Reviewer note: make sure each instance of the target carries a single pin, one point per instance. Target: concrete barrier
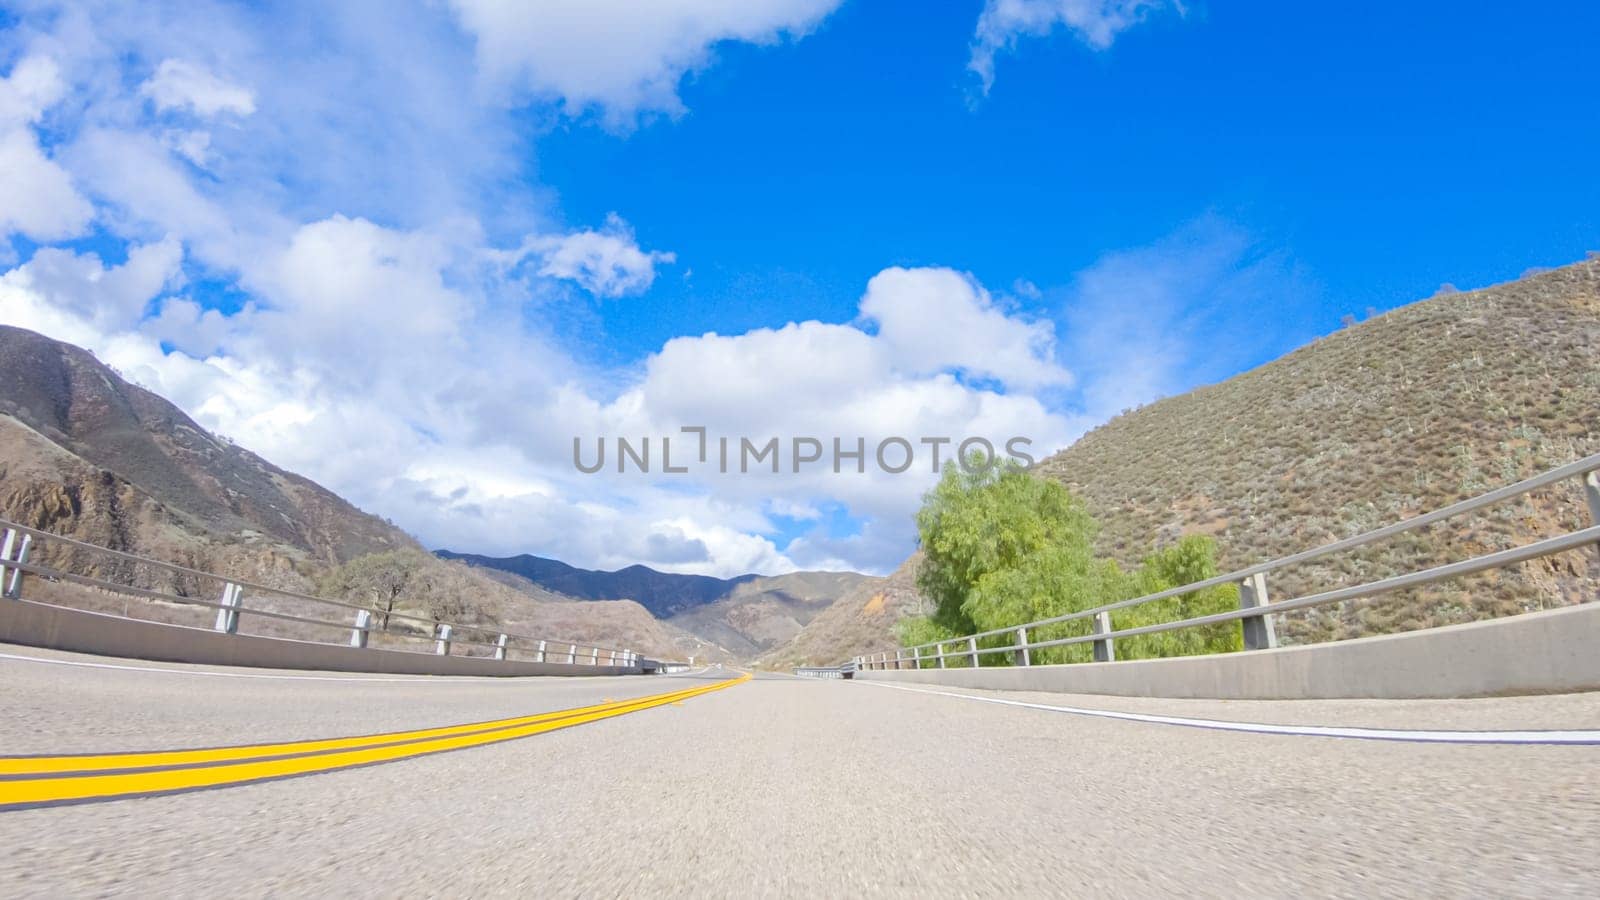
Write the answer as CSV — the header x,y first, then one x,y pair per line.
x,y
1556,651
59,628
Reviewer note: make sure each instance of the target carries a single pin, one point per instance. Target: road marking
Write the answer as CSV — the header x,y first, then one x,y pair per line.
x,y
1573,737
12,767
46,783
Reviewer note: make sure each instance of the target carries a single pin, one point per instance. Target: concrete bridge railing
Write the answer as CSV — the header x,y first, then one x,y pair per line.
x,y
343,636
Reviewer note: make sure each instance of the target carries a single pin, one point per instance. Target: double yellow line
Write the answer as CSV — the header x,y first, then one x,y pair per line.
x,y
27,781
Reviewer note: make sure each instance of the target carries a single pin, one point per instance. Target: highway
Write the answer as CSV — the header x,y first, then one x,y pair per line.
x,y
711,784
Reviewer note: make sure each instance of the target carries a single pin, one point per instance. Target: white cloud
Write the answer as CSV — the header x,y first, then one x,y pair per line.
x,y
606,263
33,86
37,196
144,193
938,319
112,298
619,56
1094,22
180,84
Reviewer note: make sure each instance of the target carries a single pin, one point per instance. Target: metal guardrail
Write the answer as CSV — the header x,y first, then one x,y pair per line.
x,y
20,541
1254,606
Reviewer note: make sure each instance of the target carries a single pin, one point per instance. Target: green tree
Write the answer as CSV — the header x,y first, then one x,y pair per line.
x,y
1002,548
405,581
1192,559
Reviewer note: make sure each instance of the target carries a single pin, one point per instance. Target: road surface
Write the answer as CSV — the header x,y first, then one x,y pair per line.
x,y
773,786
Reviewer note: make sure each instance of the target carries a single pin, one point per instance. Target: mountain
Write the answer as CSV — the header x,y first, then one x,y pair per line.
x,y
87,454
663,593
1400,414
766,611
743,616
860,622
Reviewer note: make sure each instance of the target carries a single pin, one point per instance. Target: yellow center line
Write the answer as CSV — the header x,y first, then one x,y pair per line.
x,y
151,759
80,787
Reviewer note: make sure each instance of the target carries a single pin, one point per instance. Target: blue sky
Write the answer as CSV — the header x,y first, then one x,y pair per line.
x,y
413,256
1389,148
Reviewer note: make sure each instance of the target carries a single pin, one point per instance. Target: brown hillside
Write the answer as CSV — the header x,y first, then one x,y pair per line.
x,y
858,623
65,395
762,613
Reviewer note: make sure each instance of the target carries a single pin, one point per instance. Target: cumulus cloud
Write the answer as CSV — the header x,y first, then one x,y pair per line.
x,y
937,319
618,56
80,284
180,84
606,263
37,196
1094,22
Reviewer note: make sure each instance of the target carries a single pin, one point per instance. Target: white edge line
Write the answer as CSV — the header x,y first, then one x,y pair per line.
x,y
1368,734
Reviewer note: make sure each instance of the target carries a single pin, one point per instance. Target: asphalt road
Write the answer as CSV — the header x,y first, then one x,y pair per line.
x,y
785,787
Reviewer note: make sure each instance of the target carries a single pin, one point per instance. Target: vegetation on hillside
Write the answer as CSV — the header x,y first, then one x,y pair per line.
x,y
409,582
1002,548
1394,416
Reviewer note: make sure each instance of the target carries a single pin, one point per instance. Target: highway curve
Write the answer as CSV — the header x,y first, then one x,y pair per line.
x,y
712,785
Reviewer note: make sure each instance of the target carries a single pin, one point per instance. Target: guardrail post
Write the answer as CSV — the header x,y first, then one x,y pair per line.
x,y
13,587
1259,633
572,654
1104,649
5,552
358,634
972,650
1591,492
228,615
941,656
540,656
442,648
1023,658
500,648
594,656
916,657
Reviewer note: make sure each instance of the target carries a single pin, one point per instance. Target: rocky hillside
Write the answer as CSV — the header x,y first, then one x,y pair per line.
x,y
67,397
764,612
735,618
86,454
858,623
1397,415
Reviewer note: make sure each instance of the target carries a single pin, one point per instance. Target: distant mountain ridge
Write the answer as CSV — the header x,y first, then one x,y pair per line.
x,y
745,615
665,594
